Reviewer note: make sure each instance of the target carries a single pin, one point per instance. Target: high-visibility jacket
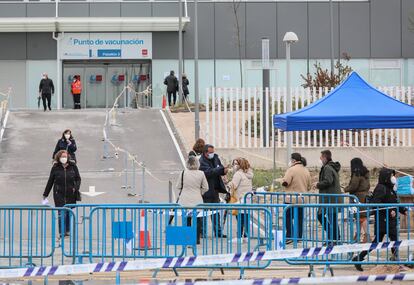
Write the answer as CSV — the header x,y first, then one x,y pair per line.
x,y
76,87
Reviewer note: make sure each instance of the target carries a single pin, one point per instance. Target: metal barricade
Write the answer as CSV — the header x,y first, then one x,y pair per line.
x,y
298,198
83,221
154,231
30,236
330,224
276,202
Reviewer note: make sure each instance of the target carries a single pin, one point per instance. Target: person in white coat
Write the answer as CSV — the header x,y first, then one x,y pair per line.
x,y
191,186
241,183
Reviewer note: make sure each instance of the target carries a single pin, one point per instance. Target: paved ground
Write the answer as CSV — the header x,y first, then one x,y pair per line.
x,y
26,152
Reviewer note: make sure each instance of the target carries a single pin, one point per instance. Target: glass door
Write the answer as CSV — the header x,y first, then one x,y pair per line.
x,y
95,77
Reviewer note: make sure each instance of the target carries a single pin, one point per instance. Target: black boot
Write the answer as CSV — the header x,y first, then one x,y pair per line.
x,y
357,266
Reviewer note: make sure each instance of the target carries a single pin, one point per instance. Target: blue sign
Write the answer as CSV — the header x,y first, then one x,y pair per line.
x,y
122,230
109,53
176,235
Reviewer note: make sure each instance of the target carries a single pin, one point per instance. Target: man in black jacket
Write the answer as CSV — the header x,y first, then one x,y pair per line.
x,y
329,184
211,165
46,89
172,87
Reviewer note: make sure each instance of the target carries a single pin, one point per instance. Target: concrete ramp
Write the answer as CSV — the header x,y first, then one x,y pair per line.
x,y
30,138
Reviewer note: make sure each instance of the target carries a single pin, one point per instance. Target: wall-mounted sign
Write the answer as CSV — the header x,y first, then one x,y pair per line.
x,y
106,46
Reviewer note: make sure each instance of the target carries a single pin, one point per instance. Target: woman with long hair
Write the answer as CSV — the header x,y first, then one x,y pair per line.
x,y
359,186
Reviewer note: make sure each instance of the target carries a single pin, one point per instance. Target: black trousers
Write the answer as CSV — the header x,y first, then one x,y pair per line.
x,y
64,220
329,219
174,95
48,98
76,101
199,227
392,235
294,222
215,218
243,230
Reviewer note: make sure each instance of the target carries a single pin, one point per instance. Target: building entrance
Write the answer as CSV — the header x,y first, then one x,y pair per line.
x,y
103,81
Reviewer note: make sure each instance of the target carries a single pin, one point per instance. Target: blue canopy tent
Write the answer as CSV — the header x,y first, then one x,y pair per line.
x,y
352,105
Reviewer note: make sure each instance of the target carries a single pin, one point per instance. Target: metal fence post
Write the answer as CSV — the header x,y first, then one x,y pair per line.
x,y
133,192
125,186
170,196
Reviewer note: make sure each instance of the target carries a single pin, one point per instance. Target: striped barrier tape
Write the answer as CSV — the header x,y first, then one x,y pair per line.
x,y
310,280
199,261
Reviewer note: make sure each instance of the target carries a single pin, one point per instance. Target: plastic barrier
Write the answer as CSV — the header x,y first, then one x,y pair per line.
x,y
343,224
30,236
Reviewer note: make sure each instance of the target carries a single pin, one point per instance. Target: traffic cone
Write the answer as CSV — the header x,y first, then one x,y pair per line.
x,y
164,102
144,236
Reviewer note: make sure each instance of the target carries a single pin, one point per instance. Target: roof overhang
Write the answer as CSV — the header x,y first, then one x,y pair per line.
x,y
92,24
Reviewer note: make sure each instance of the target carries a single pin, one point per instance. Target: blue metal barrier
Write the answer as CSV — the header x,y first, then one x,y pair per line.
x,y
82,214
29,236
144,231
298,198
330,224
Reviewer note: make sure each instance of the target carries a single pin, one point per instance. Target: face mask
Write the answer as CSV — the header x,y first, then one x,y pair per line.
x,y
211,155
321,162
393,180
67,136
290,164
63,160
44,77
235,168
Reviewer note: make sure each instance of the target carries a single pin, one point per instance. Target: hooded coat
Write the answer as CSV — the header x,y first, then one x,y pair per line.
x,y
329,181
65,182
384,194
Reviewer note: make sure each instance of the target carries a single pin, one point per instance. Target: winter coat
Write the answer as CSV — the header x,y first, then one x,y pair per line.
x,y
384,194
192,186
213,170
329,182
62,144
298,180
185,84
241,183
46,86
65,183
359,186
172,83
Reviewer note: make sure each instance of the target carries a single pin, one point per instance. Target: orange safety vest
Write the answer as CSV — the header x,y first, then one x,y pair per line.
x,y
76,87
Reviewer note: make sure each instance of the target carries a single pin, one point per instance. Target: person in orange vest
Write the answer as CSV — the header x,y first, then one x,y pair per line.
x,y
76,90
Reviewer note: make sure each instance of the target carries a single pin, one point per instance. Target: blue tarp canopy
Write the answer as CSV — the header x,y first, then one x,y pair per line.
x,y
352,105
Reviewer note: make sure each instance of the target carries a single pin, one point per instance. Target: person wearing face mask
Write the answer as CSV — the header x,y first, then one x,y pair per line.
x,y
46,89
329,184
386,220
241,183
65,180
211,165
297,179
66,142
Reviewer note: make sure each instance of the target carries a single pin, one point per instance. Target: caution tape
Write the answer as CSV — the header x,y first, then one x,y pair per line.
x,y
197,261
310,280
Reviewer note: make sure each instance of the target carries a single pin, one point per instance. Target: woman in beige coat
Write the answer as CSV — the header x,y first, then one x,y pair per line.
x,y
191,186
241,184
297,180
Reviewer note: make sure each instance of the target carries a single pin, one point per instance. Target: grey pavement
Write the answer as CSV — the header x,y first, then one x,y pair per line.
x,y
30,138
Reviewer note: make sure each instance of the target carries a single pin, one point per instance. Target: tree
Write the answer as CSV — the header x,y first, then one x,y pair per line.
x,y
235,8
323,77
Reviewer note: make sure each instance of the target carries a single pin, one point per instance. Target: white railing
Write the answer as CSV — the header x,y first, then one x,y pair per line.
x,y
235,120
